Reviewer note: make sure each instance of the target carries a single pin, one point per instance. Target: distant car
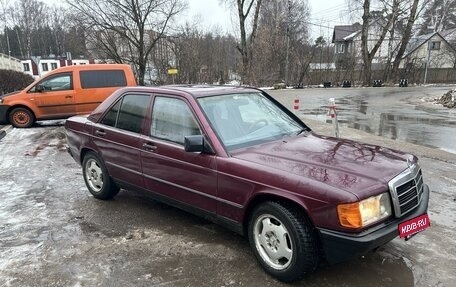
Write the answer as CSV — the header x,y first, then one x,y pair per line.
x,y
236,156
64,92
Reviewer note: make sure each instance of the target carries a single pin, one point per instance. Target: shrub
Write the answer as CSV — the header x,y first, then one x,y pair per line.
x,y
11,81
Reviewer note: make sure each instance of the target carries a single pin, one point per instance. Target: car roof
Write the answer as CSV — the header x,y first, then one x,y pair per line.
x,y
210,90
195,91
89,67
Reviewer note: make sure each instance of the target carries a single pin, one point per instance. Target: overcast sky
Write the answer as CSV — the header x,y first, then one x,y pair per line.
x,y
215,13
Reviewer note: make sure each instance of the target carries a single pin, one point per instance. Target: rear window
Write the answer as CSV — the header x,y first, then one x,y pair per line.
x,y
102,79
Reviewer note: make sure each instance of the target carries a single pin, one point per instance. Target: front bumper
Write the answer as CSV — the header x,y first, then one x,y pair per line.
x,y
341,246
4,114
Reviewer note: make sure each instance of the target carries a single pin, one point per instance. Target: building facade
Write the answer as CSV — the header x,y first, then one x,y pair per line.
x,y
10,63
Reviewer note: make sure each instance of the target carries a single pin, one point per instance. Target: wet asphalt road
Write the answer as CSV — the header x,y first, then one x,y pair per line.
x,y
53,233
391,112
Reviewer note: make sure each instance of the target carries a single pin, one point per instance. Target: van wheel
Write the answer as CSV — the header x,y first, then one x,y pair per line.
x,y
21,118
97,179
283,240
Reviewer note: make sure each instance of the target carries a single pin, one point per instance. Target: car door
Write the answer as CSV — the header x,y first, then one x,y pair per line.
x,y
54,96
118,138
169,170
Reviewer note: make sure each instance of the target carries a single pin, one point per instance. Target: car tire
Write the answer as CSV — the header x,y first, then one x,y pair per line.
x,y
21,118
283,240
97,179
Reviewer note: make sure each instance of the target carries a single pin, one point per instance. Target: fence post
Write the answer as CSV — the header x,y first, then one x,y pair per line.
x,y
333,115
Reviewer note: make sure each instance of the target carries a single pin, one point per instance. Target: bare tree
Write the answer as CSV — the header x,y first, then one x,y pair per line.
x,y
439,15
246,45
58,23
203,57
405,37
136,25
368,54
5,7
28,16
282,34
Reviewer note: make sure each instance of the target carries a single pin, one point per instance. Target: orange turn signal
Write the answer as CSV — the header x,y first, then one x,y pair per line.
x,y
349,215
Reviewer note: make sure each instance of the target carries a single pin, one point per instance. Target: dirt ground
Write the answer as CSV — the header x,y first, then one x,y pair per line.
x,y
54,233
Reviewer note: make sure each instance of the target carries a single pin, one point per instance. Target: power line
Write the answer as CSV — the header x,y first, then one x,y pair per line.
x,y
334,8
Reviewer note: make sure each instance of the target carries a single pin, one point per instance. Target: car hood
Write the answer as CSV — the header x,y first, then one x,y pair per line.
x,y
9,94
358,168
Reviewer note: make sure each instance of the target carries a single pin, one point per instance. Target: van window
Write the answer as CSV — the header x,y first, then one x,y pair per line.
x,y
58,82
102,79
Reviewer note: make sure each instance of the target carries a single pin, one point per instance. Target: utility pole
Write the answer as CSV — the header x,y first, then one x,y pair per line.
x,y
427,62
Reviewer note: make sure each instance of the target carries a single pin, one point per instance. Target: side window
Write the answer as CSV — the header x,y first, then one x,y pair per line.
x,y
341,48
102,79
172,120
128,113
58,82
110,118
434,45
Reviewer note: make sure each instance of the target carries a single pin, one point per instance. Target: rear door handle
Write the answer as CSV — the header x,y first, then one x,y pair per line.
x,y
100,133
149,146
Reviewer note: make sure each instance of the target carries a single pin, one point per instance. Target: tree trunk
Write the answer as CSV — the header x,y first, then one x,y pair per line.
x,y
246,48
405,40
369,56
364,42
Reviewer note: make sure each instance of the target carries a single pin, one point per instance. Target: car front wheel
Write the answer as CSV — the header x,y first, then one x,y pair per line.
x,y
283,241
21,118
97,179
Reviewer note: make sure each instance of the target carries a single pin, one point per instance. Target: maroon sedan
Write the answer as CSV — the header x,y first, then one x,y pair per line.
x,y
236,156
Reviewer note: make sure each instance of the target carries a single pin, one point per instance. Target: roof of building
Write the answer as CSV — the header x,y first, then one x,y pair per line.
x,y
345,32
449,36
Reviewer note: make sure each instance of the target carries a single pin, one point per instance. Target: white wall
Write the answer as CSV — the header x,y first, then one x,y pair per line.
x,y
10,63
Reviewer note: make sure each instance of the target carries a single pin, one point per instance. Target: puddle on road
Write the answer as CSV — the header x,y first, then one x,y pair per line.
x,y
407,122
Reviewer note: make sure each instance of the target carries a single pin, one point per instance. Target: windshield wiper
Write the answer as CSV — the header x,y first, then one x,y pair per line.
x,y
301,131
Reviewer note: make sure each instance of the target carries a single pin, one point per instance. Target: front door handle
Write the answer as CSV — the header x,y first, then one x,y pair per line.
x,y
68,97
149,146
100,133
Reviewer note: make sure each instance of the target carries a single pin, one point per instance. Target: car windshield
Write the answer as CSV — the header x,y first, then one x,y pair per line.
x,y
246,119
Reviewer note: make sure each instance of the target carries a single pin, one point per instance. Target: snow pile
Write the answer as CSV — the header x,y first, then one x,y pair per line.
x,y
448,99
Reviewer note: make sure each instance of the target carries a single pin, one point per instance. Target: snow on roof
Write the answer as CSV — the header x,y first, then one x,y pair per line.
x,y
352,35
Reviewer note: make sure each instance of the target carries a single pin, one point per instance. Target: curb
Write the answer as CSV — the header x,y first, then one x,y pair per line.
x,y
5,130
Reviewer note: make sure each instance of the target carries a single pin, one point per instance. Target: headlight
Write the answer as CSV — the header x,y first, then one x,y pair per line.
x,y
365,212
1,101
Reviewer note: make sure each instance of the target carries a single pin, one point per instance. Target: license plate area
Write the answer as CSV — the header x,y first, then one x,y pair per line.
x,y
411,227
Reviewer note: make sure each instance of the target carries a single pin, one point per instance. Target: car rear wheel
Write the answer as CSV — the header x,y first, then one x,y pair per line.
x,y
283,240
21,118
97,179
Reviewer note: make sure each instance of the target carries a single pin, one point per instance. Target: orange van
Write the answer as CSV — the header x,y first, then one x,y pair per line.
x,y
64,92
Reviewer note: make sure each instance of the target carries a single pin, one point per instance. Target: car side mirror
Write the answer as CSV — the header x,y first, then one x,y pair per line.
x,y
194,143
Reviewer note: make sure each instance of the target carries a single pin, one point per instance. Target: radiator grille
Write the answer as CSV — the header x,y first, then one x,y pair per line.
x,y
406,190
